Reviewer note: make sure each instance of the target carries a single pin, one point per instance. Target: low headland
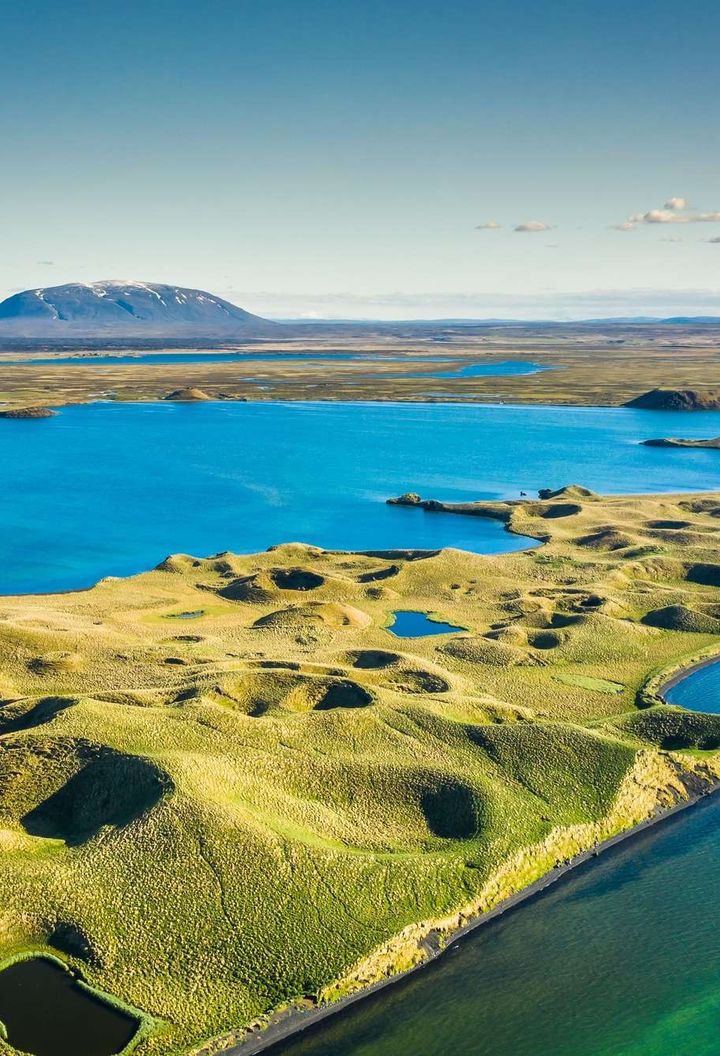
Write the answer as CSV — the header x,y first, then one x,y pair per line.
x,y
312,806
676,400
711,444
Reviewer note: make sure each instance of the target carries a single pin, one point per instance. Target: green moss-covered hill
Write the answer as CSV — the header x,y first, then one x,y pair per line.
x,y
225,786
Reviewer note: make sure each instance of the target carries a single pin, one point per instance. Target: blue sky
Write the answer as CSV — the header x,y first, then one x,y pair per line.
x,y
336,158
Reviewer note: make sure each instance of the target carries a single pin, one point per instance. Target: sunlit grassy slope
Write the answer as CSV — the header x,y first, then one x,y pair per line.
x,y
274,798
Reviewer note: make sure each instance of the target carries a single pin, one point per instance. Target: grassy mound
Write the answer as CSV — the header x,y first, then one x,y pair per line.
x,y
189,394
682,618
70,790
282,803
674,728
487,651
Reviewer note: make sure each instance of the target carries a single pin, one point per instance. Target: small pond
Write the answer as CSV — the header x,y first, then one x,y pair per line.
x,y
47,1013
409,624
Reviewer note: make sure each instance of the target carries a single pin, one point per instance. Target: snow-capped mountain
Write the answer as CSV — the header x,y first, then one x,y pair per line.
x,y
120,308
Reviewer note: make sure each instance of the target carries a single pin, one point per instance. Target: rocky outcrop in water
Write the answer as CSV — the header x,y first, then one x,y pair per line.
x,y
675,441
187,395
28,412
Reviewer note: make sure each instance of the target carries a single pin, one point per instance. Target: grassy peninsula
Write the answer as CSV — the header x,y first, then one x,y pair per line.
x,y
226,787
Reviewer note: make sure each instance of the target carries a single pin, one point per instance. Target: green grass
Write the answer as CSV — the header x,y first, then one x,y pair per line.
x,y
283,810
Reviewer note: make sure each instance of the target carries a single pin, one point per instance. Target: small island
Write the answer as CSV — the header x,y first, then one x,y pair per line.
x,y
190,394
713,443
27,412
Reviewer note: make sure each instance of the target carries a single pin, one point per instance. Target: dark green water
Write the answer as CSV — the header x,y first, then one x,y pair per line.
x,y
621,958
46,1013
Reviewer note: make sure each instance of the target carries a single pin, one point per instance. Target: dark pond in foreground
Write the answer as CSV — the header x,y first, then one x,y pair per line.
x,y
699,691
46,1013
621,958
111,489
408,624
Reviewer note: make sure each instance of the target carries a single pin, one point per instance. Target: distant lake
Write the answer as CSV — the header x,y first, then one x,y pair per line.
x,y
118,359
111,488
505,368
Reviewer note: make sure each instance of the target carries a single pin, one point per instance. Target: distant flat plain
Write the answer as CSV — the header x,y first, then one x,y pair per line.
x,y
598,364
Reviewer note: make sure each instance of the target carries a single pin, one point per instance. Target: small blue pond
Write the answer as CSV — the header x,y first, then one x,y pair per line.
x,y
698,691
409,624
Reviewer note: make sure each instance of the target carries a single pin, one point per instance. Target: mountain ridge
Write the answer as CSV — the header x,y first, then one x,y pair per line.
x,y
115,307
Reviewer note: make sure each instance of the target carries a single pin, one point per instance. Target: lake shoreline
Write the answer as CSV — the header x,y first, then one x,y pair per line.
x,y
685,672
296,1021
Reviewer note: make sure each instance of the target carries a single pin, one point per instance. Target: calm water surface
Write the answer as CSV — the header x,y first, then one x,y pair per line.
x,y
111,489
46,1013
699,691
117,359
408,624
621,958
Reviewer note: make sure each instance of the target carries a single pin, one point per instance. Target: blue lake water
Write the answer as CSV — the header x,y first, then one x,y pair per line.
x,y
111,489
699,691
622,958
506,368
118,359
408,624
472,370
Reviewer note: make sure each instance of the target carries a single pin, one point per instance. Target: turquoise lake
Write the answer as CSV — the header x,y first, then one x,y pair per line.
x,y
111,489
620,958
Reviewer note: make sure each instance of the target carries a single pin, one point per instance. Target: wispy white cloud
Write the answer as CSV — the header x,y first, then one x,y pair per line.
x,y
674,211
669,216
488,225
533,225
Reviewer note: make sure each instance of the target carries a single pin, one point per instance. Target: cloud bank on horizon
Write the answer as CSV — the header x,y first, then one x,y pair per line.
x,y
316,148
